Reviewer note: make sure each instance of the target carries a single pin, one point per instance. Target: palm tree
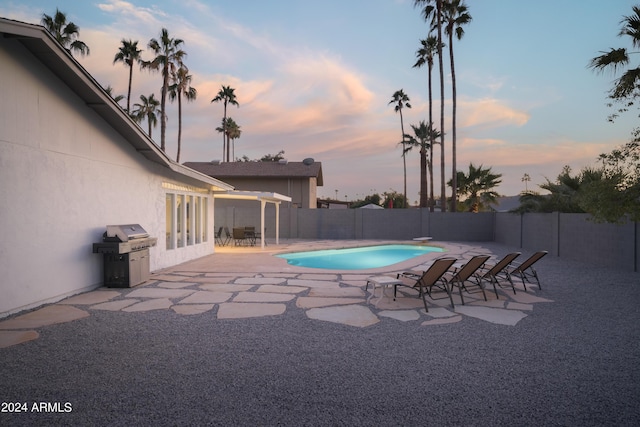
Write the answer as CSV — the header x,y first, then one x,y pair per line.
x,y
230,129
128,53
181,86
624,88
455,15
169,56
227,96
478,185
526,178
66,33
233,132
424,135
116,98
147,109
401,100
428,11
425,56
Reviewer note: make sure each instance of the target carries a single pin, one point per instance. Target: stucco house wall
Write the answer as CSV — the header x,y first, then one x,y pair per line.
x,y
297,180
65,173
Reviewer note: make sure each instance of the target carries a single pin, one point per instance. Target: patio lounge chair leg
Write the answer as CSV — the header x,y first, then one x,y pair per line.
x,y
535,274
460,291
450,296
424,300
523,281
512,285
494,281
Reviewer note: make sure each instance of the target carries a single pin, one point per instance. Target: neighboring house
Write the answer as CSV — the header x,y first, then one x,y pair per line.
x,y
371,206
333,204
73,162
298,180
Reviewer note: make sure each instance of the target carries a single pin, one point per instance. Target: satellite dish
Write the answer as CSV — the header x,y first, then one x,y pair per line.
x,y
308,161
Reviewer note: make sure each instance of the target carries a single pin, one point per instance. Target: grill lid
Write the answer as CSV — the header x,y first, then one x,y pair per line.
x,y
126,232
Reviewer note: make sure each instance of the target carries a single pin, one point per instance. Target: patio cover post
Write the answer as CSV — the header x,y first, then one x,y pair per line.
x,y
277,223
263,205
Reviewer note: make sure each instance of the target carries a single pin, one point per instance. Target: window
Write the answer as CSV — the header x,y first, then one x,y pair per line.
x,y
186,220
198,215
170,201
189,220
205,219
180,216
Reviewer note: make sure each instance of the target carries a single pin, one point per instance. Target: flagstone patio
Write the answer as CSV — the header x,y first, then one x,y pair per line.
x,y
239,283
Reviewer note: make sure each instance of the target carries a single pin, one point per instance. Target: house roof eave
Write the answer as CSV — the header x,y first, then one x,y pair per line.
x,y
37,40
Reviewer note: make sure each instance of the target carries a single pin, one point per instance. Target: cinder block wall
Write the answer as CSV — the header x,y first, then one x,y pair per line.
x,y
604,244
325,223
539,232
508,229
394,224
462,226
569,236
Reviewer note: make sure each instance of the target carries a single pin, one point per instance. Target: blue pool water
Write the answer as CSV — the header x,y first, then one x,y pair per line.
x,y
357,258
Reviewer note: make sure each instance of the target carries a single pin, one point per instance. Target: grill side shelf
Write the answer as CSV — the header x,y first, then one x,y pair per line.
x,y
112,248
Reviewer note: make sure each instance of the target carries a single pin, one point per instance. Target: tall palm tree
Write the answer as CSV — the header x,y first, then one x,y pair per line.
x,y
227,95
478,185
128,53
424,135
401,100
66,33
169,56
455,14
147,109
625,87
427,13
181,85
425,55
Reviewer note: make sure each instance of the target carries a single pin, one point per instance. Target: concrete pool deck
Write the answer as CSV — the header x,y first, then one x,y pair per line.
x,y
247,282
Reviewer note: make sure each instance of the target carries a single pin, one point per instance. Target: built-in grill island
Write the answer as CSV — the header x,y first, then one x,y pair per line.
x,y
125,249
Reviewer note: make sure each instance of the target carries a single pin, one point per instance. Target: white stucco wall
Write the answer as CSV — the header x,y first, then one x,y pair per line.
x,y
64,175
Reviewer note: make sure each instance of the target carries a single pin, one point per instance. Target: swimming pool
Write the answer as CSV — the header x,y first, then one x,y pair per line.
x,y
357,258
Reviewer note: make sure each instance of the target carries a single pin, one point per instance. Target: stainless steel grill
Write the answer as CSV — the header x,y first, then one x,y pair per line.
x,y
125,250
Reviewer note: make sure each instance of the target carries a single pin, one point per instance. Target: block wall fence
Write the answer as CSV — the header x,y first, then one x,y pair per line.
x,y
568,236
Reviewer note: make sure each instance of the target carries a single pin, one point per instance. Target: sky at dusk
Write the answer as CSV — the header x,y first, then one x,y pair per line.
x,y
315,78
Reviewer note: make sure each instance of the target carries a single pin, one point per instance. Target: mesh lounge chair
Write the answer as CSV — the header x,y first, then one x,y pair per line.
x,y
467,274
427,280
493,272
525,270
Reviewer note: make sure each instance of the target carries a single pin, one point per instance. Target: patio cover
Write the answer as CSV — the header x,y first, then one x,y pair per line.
x,y
264,198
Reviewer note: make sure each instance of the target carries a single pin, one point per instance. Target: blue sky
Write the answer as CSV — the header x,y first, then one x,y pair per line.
x,y
314,79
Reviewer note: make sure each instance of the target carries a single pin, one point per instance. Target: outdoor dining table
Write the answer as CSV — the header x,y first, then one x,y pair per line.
x,y
245,235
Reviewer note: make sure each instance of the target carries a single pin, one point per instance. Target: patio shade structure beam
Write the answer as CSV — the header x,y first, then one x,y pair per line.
x,y
263,198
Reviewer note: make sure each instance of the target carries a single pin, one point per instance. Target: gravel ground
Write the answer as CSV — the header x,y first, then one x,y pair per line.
x,y
572,362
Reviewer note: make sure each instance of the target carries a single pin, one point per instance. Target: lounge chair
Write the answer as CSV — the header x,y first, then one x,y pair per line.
x,y
525,270
467,274
425,281
495,271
